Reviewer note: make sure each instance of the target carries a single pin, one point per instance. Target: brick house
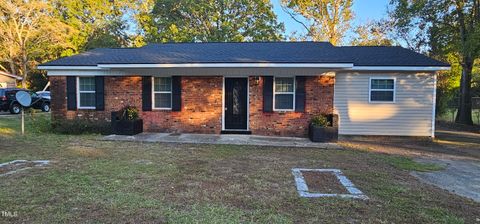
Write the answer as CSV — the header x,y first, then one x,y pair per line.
x,y
264,88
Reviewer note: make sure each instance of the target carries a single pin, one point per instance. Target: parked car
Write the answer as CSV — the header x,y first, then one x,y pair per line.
x,y
44,94
9,103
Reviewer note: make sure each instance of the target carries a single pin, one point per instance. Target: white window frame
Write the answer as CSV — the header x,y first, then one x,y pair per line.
x,y
84,91
153,93
382,78
284,93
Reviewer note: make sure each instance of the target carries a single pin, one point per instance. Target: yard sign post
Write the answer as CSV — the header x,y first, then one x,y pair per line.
x,y
25,100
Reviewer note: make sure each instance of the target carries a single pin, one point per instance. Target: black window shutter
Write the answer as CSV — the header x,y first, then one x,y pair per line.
x,y
300,94
176,93
99,93
146,93
71,93
267,93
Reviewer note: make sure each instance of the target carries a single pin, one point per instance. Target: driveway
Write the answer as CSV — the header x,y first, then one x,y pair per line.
x,y
457,151
461,177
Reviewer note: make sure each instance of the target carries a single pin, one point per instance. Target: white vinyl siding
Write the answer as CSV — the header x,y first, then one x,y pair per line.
x,y
86,92
410,115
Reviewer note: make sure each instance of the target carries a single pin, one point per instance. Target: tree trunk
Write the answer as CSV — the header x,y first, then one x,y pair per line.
x,y
24,62
464,114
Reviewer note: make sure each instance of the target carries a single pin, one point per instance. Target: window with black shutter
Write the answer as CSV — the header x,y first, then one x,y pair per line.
x,y
162,93
99,93
71,93
86,93
147,93
284,94
300,94
176,93
267,93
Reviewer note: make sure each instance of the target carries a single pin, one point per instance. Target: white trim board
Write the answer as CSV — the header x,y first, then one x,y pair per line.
x,y
231,65
399,68
434,104
67,67
341,66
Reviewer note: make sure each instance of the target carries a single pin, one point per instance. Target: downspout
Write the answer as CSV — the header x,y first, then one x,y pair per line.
x,y
434,103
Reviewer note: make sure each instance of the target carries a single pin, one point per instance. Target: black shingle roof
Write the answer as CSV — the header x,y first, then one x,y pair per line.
x,y
249,52
387,56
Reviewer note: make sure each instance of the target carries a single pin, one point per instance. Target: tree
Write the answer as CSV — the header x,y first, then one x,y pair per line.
x,y
211,20
445,26
99,23
371,34
27,33
326,20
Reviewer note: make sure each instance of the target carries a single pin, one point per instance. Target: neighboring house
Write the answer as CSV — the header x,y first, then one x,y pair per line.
x,y
264,88
8,80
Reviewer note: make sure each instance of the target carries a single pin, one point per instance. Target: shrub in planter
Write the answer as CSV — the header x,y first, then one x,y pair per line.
x,y
126,122
321,130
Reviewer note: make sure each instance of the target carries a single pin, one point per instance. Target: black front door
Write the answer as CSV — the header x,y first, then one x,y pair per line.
x,y
236,90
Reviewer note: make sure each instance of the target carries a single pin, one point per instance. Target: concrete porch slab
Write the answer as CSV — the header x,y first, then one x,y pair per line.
x,y
223,139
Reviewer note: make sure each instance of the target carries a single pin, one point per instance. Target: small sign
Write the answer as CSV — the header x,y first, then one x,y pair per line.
x,y
23,98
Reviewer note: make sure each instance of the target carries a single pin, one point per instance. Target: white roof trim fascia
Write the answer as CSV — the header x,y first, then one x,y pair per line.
x,y
345,66
399,68
66,67
17,77
231,65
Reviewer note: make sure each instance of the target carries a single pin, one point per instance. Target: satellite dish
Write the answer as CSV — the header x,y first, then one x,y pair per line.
x,y
23,98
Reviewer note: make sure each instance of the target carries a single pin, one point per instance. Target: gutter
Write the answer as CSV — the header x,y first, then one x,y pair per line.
x,y
340,66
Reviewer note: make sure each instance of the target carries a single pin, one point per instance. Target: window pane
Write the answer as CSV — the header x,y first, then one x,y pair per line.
x,y
284,101
87,99
283,85
87,83
381,96
382,84
163,100
163,84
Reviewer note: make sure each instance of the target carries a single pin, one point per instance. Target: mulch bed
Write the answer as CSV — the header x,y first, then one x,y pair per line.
x,y
323,182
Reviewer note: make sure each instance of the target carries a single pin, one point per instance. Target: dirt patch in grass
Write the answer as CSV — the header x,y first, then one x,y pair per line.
x,y
16,166
323,182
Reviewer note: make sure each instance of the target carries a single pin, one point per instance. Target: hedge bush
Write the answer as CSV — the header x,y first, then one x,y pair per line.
x,y
78,126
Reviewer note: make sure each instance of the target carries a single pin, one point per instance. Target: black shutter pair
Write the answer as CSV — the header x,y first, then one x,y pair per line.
x,y
72,93
268,94
147,93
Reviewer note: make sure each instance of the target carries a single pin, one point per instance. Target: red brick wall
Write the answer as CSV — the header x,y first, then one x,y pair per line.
x,y
119,92
318,99
201,106
201,109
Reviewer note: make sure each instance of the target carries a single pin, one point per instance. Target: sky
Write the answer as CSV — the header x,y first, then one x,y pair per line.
x,y
365,10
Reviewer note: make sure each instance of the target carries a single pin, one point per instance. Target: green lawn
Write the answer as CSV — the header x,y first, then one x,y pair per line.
x,y
97,181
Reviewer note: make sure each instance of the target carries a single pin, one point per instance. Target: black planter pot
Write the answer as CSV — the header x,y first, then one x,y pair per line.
x,y
322,134
126,127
